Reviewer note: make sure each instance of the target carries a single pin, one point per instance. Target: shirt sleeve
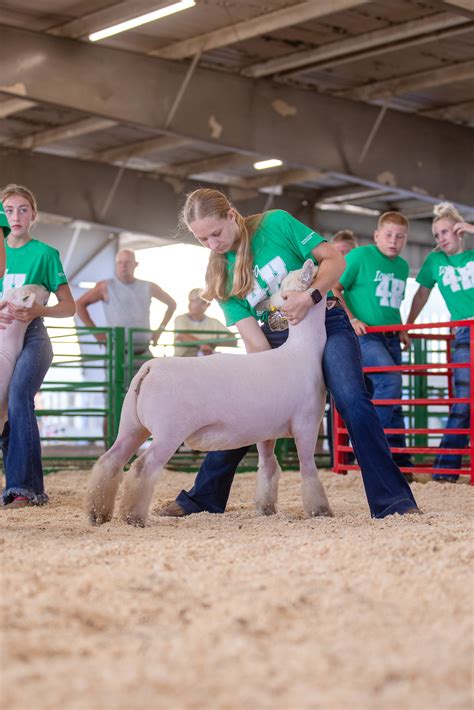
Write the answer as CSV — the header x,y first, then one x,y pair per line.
x,y
303,238
4,224
349,274
235,309
425,275
55,275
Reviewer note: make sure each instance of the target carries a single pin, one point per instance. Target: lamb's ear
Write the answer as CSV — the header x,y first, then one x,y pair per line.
x,y
28,301
308,271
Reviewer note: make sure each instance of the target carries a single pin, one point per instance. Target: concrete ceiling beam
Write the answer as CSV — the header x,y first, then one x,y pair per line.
x,y
103,82
384,40
62,133
12,106
461,71
254,27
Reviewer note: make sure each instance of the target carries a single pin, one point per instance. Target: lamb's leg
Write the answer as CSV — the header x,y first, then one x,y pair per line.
x,y
140,481
106,476
268,475
315,501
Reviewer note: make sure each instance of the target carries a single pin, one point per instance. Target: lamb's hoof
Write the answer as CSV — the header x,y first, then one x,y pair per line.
x,y
267,509
96,518
136,520
324,512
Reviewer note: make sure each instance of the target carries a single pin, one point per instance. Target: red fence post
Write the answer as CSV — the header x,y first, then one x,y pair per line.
x,y
341,442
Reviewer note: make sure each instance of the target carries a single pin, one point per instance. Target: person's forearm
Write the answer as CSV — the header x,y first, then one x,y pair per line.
x,y
184,337
83,314
329,272
167,317
62,309
417,306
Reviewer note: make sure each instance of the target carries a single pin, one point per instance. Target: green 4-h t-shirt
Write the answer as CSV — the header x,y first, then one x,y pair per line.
x,y
374,285
455,278
280,244
33,263
4,224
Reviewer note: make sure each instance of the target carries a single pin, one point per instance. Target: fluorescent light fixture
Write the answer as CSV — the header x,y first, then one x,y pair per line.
x,y
265,164
86,284
142,20
354,209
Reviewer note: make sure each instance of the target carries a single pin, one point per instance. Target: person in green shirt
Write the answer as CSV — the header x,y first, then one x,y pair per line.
x,y
451,266
373,285
28,261
4,232
250,256
344,241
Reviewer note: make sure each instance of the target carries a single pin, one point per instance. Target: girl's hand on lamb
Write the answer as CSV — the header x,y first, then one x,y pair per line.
x,y
5,318
297,304
26,314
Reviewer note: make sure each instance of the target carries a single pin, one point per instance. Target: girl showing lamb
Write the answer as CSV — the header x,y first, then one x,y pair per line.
x,y
28,261
259,397
249,258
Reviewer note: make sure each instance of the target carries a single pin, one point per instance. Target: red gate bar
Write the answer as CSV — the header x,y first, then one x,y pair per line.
x,y
341,441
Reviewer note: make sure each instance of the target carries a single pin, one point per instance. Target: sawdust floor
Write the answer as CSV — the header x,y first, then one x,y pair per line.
x,y
236,611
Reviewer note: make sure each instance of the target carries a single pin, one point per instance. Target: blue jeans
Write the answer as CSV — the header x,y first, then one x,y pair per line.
x,y
20,440
386,489
380,350
459,415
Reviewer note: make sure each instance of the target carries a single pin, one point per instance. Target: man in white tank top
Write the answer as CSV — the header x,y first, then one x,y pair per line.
x,y
126,301
196,320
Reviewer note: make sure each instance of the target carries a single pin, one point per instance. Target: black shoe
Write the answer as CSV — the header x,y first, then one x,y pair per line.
x,y
445,477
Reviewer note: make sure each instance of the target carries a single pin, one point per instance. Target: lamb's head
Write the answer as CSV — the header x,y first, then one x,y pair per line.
x,y
25,296
299,280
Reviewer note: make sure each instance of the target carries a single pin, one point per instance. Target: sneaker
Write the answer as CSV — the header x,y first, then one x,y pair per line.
x,y
17,502
172,510
413,511
445,477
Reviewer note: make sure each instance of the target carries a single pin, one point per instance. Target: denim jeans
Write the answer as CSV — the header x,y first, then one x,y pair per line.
x,y
459,415
20,440
380,350
386,489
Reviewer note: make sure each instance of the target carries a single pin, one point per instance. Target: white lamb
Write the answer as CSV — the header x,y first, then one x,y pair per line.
x,y
12,337
221,402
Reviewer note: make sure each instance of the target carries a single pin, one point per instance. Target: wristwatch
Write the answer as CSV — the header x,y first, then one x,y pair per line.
x,y
315,296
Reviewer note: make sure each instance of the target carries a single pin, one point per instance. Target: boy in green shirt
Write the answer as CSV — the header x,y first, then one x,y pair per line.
x,y
374,284
451,266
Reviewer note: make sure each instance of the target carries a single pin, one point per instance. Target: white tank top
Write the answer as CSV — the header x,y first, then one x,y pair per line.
x,y
128,306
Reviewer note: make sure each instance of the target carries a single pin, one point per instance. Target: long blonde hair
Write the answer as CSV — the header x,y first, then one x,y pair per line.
x,y
207,202
445,210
